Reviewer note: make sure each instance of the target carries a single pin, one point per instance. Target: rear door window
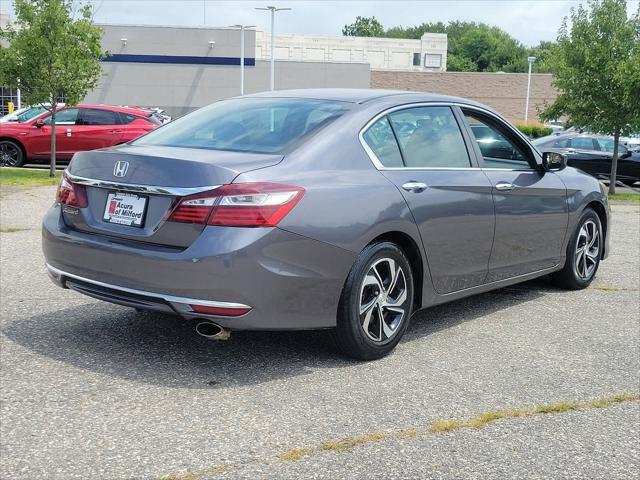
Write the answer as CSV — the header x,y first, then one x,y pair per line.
x,y
606,145
430,137
94,116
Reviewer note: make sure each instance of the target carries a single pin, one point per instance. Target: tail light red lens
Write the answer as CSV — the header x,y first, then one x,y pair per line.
x,y
71,194
239,205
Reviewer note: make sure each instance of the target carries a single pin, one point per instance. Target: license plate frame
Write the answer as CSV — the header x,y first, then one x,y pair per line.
x,y
117,213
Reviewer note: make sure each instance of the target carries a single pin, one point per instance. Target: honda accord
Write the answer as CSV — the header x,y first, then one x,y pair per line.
x,y
322,209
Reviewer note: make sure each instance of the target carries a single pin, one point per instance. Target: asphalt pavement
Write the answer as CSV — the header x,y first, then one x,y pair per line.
x,y
93,390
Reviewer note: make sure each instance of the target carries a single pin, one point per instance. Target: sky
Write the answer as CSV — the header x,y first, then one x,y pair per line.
x,y
528,21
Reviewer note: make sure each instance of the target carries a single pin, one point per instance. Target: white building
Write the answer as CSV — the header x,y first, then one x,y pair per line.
x,y
4,19
429,54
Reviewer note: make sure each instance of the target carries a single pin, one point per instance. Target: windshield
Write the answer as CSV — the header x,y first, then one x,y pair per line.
x,y
31,113
260,125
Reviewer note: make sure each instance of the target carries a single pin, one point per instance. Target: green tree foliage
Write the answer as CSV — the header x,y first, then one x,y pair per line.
x,y
596,69
364,27
51,55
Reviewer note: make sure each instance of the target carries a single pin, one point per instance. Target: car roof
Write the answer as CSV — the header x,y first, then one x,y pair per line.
x,y
362,95
132,110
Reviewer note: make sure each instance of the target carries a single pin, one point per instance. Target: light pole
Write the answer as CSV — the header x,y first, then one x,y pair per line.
x,y
526,108
242,29
273,41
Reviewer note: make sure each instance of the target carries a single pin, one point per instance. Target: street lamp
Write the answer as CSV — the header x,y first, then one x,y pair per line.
x,y
242,29
526,108
273,40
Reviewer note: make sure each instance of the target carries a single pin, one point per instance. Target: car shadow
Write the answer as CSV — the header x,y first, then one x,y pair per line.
x,y
165,350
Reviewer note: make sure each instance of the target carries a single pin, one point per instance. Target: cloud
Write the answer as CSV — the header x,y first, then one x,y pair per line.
x,y
528,21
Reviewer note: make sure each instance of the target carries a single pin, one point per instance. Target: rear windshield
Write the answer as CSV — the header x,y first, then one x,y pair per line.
x,y
261,125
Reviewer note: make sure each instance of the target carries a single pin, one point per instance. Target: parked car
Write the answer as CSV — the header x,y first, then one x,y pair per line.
x,y
593,154
79,128
304,209
27,113
555,125
632,142
13,116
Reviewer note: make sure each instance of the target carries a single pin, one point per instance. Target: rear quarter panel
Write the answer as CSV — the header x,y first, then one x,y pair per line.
x,y
347,202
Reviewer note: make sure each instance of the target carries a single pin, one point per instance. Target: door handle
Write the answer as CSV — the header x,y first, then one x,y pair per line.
x,y
414,186
503,186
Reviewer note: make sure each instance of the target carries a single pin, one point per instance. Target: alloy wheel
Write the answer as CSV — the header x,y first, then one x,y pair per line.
x,y
382,300
9,155
587,250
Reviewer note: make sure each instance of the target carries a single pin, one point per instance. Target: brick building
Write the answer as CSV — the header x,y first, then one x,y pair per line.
x,y
505,92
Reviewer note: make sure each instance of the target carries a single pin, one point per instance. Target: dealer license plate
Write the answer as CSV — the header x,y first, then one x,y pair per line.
x,y
125,209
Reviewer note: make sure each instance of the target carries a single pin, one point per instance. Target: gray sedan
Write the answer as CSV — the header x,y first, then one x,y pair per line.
x,y
322,209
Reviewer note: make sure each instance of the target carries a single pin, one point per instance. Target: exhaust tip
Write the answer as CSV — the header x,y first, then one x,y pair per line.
x,y
212,331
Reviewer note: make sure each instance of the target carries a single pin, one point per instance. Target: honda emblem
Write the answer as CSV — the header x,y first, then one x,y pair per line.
x,y
120,169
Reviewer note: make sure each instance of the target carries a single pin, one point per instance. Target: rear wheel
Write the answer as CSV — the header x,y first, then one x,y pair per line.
x,y
11,155
376,303
583,253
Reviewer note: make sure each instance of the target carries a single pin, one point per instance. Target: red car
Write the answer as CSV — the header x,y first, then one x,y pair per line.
x,y
83,127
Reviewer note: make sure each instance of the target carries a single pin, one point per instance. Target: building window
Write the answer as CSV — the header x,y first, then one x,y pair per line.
x,y
416,59
433,60
7,94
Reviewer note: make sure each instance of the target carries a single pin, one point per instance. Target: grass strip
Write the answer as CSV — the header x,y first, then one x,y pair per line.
x,y
449,425
19,177
437,427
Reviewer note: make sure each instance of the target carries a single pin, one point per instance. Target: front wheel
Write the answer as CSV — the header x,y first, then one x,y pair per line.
x,y
583,253
376,303
11,155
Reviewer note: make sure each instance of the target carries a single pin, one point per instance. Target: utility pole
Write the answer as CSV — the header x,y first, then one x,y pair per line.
x,y
242,29
273,41
526,108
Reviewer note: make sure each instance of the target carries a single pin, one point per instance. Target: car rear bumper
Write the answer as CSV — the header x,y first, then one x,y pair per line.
x,y
287,280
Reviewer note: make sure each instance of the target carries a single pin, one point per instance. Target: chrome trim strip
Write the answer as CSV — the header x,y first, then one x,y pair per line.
x,y
162,296
132,187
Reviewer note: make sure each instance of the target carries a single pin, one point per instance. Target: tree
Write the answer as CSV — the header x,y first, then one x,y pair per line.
x,y
542,51
472,47
364,27
51,56
597,72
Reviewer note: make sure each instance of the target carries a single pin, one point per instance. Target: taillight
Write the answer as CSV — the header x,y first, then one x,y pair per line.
x,y
222,311
71,194
239,205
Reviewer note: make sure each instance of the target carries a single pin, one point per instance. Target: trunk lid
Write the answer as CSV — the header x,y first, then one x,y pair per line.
x,y
154,179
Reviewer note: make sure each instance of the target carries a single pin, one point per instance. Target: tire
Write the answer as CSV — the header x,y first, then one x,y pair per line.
x,y
11,154
361,335
577,274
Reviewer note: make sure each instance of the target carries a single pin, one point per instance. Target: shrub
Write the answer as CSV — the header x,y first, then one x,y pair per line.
x,y
535,131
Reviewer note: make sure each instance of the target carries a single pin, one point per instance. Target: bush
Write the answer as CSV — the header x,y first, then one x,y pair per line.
x,y
535,131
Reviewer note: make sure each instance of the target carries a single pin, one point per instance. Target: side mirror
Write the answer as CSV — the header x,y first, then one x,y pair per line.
x,y
624,153
39,124
554,161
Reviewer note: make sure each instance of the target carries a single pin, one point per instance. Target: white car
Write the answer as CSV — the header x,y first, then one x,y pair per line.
x,y
632,142
13,116
27,113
